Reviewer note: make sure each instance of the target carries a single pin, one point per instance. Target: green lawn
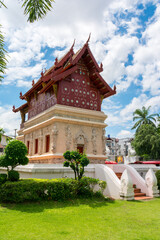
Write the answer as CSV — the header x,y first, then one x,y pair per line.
x,y
81,219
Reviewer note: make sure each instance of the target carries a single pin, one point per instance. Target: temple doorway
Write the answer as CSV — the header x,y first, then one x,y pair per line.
x,y
80,148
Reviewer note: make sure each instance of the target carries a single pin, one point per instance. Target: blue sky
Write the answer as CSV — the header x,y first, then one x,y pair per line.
x,y
125,37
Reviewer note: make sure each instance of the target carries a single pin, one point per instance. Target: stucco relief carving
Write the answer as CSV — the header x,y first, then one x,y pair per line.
x,y
94,140
47,130
68,135
54,135
81,139
103,141
41,142
31,144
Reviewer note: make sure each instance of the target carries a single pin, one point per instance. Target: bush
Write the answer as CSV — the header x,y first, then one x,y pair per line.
x,y
55,189
3,178
158,178
77,161
13,175
15,154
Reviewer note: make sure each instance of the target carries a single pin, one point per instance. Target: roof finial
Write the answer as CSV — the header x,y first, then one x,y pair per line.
x,y
20,95
42,72
72,45
114,88
88,38
56,61
13,109
32,82
101,66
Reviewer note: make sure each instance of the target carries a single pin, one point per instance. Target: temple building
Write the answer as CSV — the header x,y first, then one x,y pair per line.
x,y
64,110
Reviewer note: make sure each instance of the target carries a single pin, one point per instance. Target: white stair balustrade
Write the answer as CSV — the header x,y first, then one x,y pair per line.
x,y
127,190
151,182
105,173
136,178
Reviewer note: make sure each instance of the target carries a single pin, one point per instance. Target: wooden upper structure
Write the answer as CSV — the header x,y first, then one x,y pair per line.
x,y
74,80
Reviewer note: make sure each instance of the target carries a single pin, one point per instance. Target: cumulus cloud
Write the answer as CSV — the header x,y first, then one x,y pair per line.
x,y
124,134
114,38
9,120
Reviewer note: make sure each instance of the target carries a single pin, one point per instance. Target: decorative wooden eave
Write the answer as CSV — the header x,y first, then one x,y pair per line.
x,y
101,84
64,59
76,57
58,78
31,90
67,65
59,63
51,72
24,106
106,95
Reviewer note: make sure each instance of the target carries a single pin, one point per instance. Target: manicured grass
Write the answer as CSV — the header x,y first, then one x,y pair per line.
x,y
81,219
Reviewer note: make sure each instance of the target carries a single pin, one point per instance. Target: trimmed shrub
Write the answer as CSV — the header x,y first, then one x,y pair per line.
x,y
13,175
3,178
76,161
55,189
15,154
158,178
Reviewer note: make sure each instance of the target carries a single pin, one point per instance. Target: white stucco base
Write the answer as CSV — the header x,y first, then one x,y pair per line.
x,y
67,128
49,171
115,188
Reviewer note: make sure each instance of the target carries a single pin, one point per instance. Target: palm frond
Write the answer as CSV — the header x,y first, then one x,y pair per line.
x,y
153,115
3,59
143,117
36,9
137,124
2,4
138,112
1,133
136,117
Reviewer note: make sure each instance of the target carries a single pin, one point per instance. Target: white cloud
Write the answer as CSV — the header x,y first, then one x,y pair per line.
x,y
124,134
9,120
21,83
127,112
146,57
17,74
75,20
124,116
67,22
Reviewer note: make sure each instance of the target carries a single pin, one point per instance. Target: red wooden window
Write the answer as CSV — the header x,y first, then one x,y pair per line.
x,y
47,143
36,145
28,146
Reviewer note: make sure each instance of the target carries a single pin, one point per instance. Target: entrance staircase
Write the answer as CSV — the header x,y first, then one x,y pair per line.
x,y
138,195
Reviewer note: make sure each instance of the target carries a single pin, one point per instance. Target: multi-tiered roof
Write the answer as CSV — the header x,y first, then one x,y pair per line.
x,y
70,67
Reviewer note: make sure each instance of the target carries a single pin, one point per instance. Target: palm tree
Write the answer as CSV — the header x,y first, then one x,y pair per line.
x,y
143,117
158,127
35,11
1,133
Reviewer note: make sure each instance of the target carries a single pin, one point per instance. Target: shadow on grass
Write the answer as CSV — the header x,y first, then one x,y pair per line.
x,y
35,207
136,201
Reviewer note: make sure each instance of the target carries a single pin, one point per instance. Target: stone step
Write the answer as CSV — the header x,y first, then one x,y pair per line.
x,y
118,175
139,194
137,190
142,198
